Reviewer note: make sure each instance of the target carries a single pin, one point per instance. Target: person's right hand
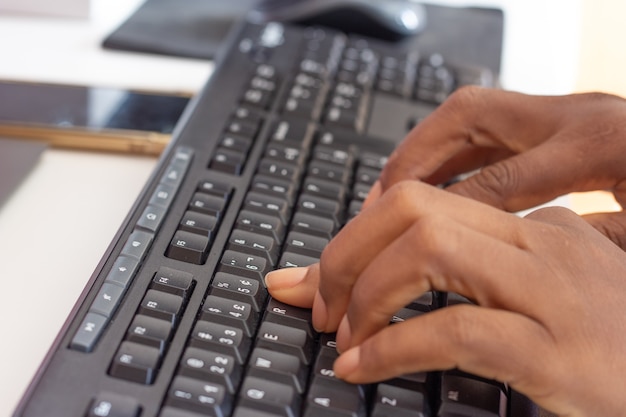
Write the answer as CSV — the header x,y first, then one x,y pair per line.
x,y
529,149
549,292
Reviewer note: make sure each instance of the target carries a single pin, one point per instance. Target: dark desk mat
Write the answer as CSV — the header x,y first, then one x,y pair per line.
x,y
183,28
195,29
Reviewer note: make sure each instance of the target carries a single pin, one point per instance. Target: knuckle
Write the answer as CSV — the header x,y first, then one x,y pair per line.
x,y
436,244
402,194
463,97
461,324
496,183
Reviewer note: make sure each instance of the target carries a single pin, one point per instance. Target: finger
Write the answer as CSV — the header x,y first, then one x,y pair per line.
x,y
465,162
494,344
438,253
612,225
471,117
389,217
295,286
532,177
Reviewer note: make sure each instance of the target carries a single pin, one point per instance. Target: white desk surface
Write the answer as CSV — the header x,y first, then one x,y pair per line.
x,y
58,224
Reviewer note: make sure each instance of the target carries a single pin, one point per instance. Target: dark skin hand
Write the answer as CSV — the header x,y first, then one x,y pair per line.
x,y
529,150
548,288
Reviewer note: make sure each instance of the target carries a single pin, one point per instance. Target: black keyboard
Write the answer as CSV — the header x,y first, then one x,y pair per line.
x,y
274,155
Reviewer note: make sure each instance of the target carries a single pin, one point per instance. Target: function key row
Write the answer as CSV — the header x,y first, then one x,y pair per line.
x,y
126,265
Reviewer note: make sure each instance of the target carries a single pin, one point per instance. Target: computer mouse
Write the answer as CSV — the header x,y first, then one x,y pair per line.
x,y
384,19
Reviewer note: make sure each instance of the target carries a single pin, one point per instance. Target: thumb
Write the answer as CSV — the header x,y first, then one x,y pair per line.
x,y
612,225
295,286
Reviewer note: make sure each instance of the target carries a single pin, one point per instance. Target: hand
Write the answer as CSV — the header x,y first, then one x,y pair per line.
x,y
529,150
549,289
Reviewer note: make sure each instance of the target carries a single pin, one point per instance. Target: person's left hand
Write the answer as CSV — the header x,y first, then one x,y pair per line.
x,y
549,291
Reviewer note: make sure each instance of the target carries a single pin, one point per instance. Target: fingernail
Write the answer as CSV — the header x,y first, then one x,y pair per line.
x,y
344,335
347,363
284,278
320,313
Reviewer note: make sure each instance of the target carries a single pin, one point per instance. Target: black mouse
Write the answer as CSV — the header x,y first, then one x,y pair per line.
x,y
384,19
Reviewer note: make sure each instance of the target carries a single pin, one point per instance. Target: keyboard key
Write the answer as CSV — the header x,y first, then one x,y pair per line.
x,y
217,188
305,244
233,287
150,331
463,395
405,314
282,170
274,186
308,223
294,260
188,247
284,153
392,400
206,398
199,223
136,362
360,191
152,218
243,263
228,161
403,396
323,188
339,157
107,300
173,281
138,244
215,337
161,305
163,196
108,404
285,339
230,313
278,367
293,133
269,396
254,244
211,367
175,173
367,175
236,143
329,397
261,223
89,332
288,315
323,207
273,206
208,204
329,171
123,271
324,363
